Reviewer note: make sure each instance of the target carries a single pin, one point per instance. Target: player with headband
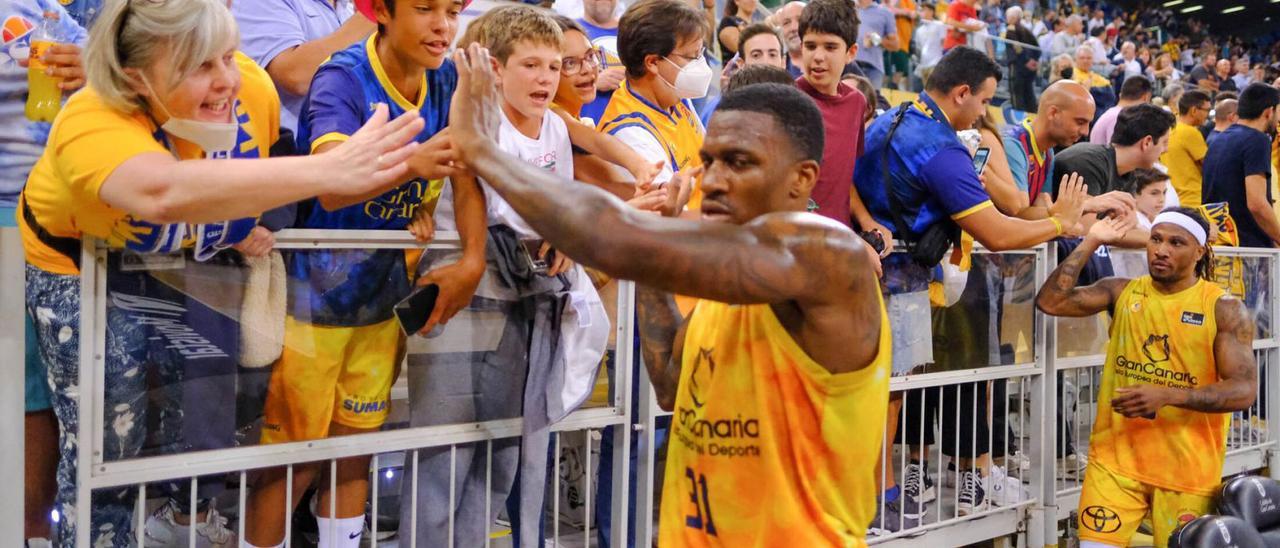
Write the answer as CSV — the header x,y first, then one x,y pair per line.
x,y
1179,362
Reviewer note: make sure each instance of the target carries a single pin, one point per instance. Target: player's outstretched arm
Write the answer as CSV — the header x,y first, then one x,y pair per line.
x,y
1061,295
779,257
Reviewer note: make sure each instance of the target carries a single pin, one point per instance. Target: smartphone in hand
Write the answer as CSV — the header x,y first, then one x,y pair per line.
x,y
415,309
980,159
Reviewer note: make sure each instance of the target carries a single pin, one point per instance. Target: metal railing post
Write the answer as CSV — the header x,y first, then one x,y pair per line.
x,y
12,416
1042,529
624,356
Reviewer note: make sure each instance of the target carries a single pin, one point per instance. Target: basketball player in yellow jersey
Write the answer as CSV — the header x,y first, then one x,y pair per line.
x,y
1179,362
780,377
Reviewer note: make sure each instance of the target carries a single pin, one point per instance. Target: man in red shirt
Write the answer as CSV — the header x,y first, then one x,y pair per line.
x,y
962,17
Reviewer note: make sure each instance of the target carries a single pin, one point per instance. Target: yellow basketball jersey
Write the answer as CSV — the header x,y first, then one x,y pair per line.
x,y
678,130
1165,340
767,447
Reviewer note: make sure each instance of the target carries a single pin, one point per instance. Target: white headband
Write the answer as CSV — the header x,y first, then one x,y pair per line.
x,y
1183,220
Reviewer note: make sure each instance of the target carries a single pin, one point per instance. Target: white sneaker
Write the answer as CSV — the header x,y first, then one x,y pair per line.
x,y
164,531
1073,465
1006,491
39,543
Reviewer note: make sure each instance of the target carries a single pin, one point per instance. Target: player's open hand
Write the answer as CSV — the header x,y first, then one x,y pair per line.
x,y
373,159
1111,230
1143,400
474,112
457,284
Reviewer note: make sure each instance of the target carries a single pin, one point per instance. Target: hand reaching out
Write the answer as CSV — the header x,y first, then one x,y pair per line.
x,y
679,188
649,198
1069,207
436,158
373,159
423,226
1111,230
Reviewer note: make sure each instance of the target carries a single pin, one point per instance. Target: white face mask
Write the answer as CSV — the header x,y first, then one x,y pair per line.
x,y
693,80
212,137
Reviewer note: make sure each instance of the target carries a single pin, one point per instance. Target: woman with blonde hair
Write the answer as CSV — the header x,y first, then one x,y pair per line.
x,y
162,152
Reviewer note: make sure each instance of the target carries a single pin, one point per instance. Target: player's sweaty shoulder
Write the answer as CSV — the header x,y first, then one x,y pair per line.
x,y
827,257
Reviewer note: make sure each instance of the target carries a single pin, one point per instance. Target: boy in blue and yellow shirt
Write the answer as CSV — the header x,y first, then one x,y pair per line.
x,y
343,344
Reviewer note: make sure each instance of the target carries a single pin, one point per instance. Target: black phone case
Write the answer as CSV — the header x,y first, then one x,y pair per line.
x,y
414,310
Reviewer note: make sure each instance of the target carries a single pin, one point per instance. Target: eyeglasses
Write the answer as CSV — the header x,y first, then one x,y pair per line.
x,y
691,58
592,60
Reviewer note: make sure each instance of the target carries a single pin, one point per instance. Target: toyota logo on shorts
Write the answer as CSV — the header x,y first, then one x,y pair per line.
x,y
1100,519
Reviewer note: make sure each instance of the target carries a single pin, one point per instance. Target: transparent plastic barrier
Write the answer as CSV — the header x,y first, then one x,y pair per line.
x,y
172,337
1245,273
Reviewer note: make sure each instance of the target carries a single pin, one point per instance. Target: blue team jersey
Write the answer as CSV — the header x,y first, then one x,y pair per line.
x,y
931,170
23,140
83,11
605,40
352,288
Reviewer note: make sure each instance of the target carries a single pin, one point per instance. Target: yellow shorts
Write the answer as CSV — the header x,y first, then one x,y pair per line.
x,y
331,374
1112,506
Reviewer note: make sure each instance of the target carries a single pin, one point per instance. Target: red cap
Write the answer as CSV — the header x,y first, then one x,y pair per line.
x,y
1113,31
366,7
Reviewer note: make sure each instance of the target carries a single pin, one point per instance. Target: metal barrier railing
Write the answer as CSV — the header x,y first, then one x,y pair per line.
x,y
1017,367
97,472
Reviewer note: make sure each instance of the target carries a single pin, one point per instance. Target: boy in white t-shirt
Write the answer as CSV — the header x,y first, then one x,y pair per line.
x,y
482,382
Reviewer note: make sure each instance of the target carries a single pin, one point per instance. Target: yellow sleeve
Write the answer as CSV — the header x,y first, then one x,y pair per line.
x,y
259,94
1196,145
91,139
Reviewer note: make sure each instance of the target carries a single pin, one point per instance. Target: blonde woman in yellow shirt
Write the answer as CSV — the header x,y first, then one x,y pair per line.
x,y
163,151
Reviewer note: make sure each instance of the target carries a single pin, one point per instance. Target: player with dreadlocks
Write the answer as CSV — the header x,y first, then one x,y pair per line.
x,y
1180,360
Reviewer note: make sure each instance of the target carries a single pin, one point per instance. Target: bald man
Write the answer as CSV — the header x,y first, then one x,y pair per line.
x,y
1063,117
1224,116
787,19
1223,70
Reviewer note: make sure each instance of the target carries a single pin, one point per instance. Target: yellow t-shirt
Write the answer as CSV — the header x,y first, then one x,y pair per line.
x,y
767,447
1185,154
90,139
678,131
1165,340
905,25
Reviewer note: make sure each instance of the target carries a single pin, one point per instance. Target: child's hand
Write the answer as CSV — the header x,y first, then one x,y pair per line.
x,y
423,226
644,172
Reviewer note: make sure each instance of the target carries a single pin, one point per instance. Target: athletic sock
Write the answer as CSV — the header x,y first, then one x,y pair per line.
x,y
892,494
347,530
